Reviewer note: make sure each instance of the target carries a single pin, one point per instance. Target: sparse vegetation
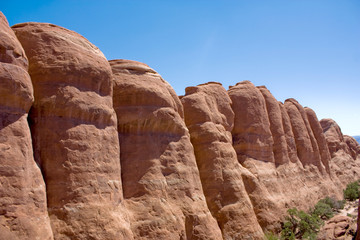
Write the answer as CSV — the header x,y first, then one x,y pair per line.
x,y
351,192
327,207
302,225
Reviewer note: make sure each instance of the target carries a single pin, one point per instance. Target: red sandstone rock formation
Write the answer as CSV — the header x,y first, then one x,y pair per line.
x,y
280,147
74,133
76,143
320,138
334,136
353,146
252,137
345,161
306,144
161,181
210,119
289,135
23,213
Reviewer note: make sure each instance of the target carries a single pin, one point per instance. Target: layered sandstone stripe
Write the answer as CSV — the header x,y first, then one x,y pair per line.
x,y
210,119
161,181
74,133
23,213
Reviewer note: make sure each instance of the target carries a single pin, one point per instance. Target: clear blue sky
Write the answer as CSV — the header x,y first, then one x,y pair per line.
x,y
305,49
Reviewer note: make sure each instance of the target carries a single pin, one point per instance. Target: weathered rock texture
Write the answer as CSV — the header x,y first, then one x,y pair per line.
x,y
344,150
270,147
306,143
320,138
252,137
210,119
74,133
23,212
161,181
124,158
338,228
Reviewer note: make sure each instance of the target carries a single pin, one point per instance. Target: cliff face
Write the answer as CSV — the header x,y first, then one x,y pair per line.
x,y
123,157
74,132
22,189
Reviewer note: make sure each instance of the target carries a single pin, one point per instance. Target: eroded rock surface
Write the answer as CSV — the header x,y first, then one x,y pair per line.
x,y
252,137
132,170
74,133
344,150
210,119
320,138
280,148
306,144
161,181
23,212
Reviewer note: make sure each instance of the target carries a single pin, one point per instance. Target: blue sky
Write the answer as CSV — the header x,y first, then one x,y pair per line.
x,y
305,49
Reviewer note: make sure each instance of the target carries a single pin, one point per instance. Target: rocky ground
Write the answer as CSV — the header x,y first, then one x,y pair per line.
x,y
342,225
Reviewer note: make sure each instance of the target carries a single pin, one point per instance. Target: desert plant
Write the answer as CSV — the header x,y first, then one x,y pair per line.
x,y
334,204
300,224
352,191
323,210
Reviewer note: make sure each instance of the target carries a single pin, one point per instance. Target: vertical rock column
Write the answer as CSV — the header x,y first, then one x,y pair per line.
x,y
320,138
210,119
276,126
252,137
161,182
253,143
23,213
289,135
307,147
74,133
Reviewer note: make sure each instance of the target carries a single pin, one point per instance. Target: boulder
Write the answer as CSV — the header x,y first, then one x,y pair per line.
x,y
23,213
74,133
161,181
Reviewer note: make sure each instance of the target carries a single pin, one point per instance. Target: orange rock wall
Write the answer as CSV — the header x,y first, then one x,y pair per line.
x,y
123,157
23,210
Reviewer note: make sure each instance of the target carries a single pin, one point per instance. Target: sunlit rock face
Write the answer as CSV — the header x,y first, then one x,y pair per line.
x,y
280,150
252,137
161,182
210,119
320,138
74,133
344,150
123,157
23,212
306,144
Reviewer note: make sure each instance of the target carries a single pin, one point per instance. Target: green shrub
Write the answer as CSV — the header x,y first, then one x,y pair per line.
x,y
323,210
300,224
334,204
352,191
